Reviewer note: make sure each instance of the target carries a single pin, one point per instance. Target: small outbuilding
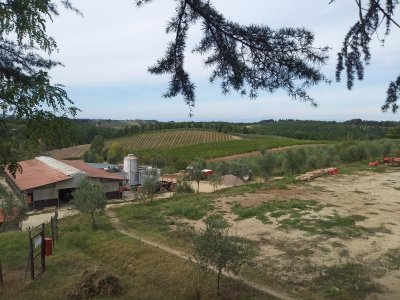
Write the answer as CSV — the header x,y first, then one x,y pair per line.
x,y
46,181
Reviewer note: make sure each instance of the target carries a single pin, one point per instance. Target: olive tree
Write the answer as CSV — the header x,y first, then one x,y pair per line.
x,y
215,247
197,174
89,198
151,182
215,180
265,165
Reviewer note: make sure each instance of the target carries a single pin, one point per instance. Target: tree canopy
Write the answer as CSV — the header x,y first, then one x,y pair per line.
x,y
26,91
254,58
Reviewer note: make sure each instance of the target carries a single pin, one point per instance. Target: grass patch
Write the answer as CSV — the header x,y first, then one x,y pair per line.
x,y
346,281
392,259
156,219
335,225
146,272
276,208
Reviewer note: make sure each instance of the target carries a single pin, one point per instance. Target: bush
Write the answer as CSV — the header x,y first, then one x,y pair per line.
x,y
266,164
183,186
293,161
354,153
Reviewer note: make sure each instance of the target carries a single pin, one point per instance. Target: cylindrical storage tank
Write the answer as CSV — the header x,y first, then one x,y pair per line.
x,y
131,165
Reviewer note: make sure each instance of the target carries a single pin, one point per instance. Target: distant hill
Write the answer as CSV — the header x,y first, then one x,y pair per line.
x,y
165,139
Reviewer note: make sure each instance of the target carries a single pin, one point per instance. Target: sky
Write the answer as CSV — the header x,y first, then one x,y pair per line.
x,y
107,52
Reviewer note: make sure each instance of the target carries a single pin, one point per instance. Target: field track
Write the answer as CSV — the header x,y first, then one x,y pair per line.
x,y
120,228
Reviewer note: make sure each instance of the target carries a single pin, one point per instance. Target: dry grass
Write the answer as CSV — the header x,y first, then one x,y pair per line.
x,y
96,283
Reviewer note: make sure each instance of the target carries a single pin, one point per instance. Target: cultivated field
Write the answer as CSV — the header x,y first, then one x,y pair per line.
x,y
169,139
70,152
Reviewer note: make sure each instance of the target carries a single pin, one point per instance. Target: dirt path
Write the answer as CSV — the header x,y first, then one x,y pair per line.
x,y
118,226
257,153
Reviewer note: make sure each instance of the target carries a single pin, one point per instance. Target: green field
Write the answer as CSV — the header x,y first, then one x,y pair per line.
x,y
182,155
165,139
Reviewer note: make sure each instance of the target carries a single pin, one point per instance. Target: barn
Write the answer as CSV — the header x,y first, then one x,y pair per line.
x,y
46,181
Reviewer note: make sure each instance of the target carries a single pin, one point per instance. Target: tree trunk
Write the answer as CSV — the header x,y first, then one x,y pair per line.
x,y
198,186
93,223
218,280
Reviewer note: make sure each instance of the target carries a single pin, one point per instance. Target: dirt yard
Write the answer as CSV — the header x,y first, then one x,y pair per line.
x,y
346,218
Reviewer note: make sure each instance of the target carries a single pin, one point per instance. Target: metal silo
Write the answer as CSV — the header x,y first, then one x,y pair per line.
x,y
131,165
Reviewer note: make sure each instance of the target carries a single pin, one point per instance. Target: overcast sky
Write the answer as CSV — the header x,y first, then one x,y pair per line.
x,y
107,52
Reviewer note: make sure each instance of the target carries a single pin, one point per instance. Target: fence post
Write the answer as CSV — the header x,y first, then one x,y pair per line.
x,y
42,256
1,276
30,259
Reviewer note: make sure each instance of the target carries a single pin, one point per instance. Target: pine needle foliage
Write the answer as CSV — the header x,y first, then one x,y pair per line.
x,y
246,59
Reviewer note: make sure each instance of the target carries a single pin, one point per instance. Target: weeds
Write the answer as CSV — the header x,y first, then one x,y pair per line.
x,y
276,208
392,258
346,281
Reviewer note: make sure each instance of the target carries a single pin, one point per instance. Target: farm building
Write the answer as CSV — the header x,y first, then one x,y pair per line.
x,y
46,181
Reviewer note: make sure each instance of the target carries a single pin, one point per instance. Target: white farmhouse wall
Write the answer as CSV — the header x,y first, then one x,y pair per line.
x,y
70,183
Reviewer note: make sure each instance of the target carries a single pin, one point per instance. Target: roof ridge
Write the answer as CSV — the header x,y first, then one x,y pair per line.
x,y
59,166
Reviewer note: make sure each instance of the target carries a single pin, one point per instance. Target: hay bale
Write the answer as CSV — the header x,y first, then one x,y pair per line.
x,y
231,180
96,283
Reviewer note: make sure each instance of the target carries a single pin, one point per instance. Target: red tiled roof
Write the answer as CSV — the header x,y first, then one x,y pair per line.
x,y
35,174
90,171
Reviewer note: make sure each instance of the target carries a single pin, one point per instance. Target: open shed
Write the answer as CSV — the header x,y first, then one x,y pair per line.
x,y
46,181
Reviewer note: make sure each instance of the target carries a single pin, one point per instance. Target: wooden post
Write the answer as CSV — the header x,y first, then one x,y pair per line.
x,y
52,229
43,249
31,256
1,276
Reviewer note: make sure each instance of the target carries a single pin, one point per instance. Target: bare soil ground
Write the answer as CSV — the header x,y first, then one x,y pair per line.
x,y
70,152
296,255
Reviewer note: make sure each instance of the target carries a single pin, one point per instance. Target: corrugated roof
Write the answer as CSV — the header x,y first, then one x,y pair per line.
x,y
90,171
35,174
58,165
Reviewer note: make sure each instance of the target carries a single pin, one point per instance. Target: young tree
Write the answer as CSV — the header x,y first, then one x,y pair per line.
x,y
215,180
293,161
266,164
197,174
215,248
151,182
240,169
89,198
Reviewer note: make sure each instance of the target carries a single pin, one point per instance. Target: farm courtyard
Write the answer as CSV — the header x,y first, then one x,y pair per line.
x,y
336,237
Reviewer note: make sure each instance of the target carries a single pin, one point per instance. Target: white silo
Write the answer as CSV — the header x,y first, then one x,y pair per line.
x,y
131,165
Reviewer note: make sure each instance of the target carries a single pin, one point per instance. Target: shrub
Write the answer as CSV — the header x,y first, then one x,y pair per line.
x,y
183,186
293,161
